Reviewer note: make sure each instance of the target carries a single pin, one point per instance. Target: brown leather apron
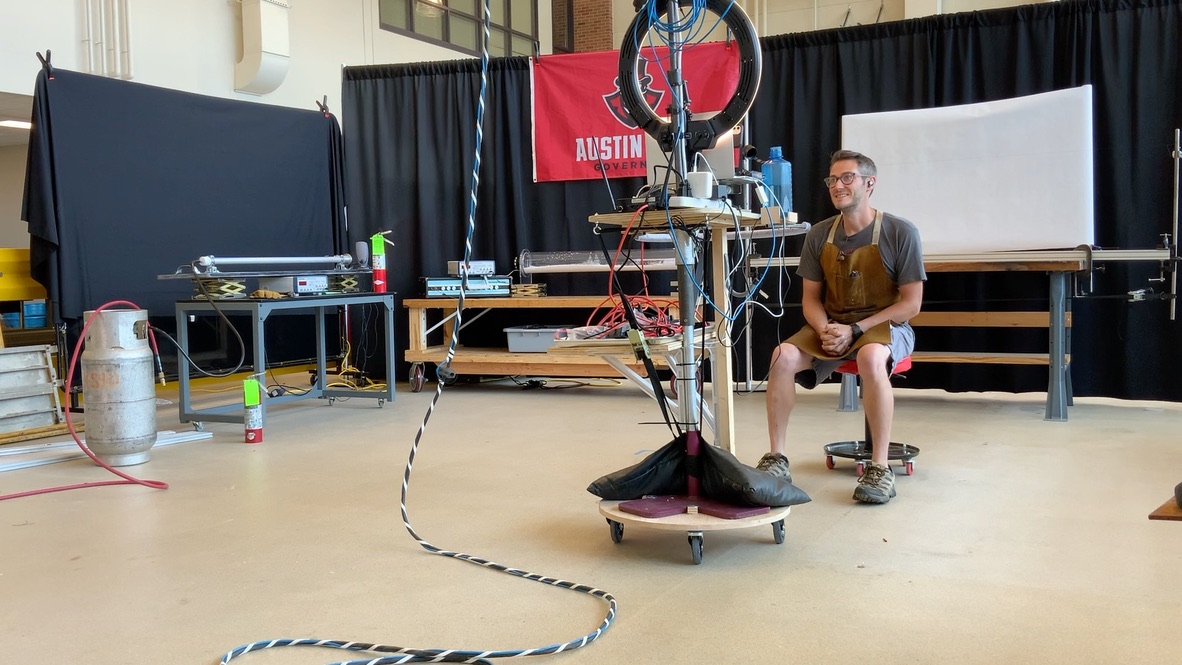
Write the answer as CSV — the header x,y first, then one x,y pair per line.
x,y
856,286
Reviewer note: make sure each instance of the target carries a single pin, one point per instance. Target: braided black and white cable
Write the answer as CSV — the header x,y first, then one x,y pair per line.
x,y
398,654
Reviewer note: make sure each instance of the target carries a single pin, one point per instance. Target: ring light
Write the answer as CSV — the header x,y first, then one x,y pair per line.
x,y
700,134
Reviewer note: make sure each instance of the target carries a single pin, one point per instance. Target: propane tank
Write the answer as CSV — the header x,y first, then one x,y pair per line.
x,y
117,387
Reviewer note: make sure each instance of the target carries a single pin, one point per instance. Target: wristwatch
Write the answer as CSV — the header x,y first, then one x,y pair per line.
x,y
856,332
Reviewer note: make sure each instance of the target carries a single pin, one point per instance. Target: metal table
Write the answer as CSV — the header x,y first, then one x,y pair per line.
x,y
259,310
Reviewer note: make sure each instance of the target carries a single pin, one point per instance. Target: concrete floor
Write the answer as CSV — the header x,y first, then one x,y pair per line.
x,y
1016,541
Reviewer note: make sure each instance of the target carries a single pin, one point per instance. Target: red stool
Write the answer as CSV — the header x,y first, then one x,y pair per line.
x,y
861,450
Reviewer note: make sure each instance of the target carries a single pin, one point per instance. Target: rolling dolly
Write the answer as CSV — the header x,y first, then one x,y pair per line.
x,y
694,523
860,451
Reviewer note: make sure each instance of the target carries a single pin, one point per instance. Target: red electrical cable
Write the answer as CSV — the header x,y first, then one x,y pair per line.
x,y
127,479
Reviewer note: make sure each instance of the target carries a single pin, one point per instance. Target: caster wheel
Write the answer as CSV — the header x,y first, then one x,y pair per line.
x,y
829,463
417,377
331,400
908,468
861,469
617,530
695,542
199,426
381,403
778,531
673,384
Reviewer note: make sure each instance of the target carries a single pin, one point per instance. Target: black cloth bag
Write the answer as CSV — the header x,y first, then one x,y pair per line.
x,y
723,478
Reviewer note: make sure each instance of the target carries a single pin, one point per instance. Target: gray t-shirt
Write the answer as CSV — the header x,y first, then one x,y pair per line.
x,y
898,243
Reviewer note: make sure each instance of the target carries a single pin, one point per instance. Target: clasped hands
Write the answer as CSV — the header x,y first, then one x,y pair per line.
x,y
836,338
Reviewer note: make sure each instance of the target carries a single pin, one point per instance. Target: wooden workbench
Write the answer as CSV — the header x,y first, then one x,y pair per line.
x,y
501,361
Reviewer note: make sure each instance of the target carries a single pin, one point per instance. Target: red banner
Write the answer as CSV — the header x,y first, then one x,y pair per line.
x,y
579,121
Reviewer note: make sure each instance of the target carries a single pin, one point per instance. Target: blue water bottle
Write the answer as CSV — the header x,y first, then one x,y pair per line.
x,y
777,174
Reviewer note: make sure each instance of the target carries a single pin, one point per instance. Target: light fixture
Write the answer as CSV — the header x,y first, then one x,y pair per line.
x,y
16,124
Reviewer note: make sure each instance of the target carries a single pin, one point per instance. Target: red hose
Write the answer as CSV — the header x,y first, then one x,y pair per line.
x,y
127,479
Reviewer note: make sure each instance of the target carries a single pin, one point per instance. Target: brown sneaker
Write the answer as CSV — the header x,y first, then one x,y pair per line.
x,y
877,484
775,464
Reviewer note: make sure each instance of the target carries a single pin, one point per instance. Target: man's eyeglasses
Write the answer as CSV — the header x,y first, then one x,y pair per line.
x,y
846,178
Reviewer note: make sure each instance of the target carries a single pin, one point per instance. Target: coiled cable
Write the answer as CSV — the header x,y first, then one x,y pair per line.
x,y
412,655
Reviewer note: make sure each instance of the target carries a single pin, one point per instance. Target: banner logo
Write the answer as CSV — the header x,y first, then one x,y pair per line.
x,y
615,103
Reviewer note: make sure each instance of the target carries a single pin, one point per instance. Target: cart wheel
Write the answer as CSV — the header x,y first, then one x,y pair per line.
x,y
829,463
778,531
861,468
199,425
331,400
908,468
417,375
695,541
381,402
617,530
673,384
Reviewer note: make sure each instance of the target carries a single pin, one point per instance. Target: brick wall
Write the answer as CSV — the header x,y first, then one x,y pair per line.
x,y
593,26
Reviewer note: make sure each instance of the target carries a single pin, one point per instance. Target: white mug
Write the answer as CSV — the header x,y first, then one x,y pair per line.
x,y
701,184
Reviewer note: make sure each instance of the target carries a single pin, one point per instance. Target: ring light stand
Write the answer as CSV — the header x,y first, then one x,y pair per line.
x,y
681,136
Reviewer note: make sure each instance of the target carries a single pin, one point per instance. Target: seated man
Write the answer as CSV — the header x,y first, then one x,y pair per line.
x,y
862,278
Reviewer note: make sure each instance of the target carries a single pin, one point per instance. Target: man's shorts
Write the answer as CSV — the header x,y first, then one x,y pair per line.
x,y
902,344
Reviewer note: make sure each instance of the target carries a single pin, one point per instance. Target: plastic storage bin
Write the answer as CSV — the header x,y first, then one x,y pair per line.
x,y
12,320
33,308
531,339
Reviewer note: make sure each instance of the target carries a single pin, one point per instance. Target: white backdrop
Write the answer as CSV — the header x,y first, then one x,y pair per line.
x,y
1014,174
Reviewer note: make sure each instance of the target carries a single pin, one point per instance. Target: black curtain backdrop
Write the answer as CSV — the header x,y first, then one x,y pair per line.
x,y
410,139
1129,51
126,182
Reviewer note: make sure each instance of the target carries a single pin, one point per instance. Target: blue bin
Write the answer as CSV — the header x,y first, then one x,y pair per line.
x,y
35,321
12,320
34,308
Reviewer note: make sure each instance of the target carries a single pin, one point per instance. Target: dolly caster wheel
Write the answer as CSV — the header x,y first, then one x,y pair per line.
x,y
198,425
861,469
417,377
908,468
695,541
829,463
778,531
617,530
381,403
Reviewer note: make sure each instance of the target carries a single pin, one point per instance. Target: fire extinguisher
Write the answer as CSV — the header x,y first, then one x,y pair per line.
x,y
378,258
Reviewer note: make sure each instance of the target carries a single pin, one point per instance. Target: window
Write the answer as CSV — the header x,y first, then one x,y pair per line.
x,y
562,14
459,24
